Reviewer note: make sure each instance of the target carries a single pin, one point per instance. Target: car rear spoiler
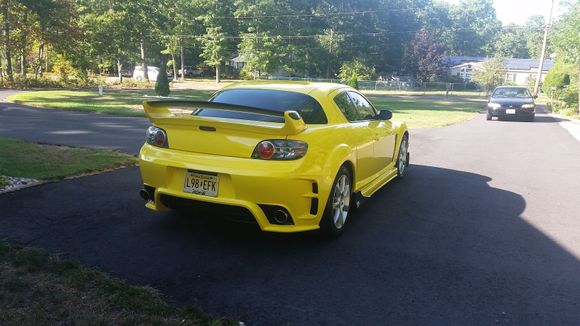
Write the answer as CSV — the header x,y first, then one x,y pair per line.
x,y
158,112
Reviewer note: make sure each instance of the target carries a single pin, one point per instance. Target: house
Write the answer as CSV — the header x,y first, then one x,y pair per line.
x,y
517,70
237,62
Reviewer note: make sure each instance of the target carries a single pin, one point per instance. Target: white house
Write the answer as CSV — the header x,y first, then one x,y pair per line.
x,y
517,70
237,62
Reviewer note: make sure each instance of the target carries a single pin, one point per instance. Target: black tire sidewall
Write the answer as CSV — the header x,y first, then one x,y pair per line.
x,y
327,223
405,138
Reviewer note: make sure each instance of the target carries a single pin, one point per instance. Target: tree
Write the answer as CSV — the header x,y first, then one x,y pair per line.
x,y
475,27
216,46
491,74
357,69
511,42
424,57
566,41
108,38
533,34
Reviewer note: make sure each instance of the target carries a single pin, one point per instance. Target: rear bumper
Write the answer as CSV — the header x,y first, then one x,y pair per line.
x,y
248,184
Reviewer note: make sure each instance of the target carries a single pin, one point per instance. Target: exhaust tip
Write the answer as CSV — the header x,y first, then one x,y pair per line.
x,y
144,194
280,216
277,215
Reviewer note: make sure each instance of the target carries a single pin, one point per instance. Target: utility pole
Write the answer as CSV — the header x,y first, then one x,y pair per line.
x,y
543,55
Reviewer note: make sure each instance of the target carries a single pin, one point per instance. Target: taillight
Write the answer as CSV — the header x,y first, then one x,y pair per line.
x,y
279,149
156,137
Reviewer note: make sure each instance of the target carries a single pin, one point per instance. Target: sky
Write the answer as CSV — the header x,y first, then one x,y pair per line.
x,y
518,11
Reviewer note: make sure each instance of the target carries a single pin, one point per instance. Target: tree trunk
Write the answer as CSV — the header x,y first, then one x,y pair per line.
x,y
217,73
143,63
174,67
1,72
119,68
23,47
182,59
22,68
46,58
7,40
579,87
38,70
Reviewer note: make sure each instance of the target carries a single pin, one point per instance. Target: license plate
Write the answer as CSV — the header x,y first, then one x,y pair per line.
x,y
201,184
510,111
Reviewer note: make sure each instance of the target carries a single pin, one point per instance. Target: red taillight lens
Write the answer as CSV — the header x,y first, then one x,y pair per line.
x,y
156,137
266,150
280,149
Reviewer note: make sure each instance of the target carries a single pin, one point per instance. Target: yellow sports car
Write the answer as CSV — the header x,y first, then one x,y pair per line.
x,y
291,156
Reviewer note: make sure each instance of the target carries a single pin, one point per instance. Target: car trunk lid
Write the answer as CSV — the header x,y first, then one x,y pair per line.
x,y
218,136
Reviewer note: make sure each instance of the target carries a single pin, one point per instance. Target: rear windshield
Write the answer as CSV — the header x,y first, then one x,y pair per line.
x,y
280,101
511,92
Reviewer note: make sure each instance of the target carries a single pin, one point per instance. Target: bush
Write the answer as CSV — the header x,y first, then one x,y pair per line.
x,y
25,82
358,68
162,83
131,83
562,87
353,81
63,68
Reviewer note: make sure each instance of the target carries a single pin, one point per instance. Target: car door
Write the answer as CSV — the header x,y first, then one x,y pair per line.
x,y
361,138
384,136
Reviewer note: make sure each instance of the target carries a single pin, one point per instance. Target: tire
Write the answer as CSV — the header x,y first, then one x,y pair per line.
x,y
403,156
338,207
489,116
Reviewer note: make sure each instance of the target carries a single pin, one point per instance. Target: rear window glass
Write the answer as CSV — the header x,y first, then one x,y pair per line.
x,y
280,101
511,92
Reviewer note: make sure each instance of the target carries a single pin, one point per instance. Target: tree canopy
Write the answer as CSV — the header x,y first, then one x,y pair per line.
x,y
300,38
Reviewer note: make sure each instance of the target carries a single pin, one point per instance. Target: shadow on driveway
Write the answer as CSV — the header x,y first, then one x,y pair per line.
x,y
438,247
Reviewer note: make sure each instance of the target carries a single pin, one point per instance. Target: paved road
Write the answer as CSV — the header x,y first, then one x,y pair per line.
x,y
484,230
125,134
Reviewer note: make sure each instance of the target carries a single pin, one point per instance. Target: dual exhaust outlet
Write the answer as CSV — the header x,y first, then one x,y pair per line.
x,y
275,214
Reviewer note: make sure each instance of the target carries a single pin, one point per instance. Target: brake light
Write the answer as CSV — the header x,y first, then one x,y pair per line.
x,y
156,137
280,149
266,150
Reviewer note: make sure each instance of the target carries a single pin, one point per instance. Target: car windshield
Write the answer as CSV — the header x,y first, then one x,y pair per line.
x,y
280,101
511,92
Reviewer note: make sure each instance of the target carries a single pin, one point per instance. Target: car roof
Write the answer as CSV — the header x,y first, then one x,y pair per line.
x,y
524,87
283,85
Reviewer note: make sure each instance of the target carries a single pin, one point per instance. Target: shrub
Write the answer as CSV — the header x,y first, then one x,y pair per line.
x,y
25,82
491,74
358,68
63,67
162,83
353,81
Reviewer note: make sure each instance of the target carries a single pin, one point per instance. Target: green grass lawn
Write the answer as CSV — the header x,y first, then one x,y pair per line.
x,y
418,111
38,288
117,102
428,111
46,162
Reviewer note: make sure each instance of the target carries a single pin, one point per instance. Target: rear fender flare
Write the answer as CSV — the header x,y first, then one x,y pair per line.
x,y
341,155
400,129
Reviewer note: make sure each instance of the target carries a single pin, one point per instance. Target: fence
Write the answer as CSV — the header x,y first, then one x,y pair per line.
x,y
396,86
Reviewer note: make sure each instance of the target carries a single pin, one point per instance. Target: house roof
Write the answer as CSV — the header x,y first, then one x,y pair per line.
x,y
527,64
510,63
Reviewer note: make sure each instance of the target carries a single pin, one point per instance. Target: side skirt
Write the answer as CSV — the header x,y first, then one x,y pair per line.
x,y
384,178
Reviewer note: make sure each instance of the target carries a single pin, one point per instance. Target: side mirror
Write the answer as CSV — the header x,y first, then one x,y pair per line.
x,y
385,115
536,96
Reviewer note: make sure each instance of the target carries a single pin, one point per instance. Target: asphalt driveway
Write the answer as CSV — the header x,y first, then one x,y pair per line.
x,y
78,129
483,230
